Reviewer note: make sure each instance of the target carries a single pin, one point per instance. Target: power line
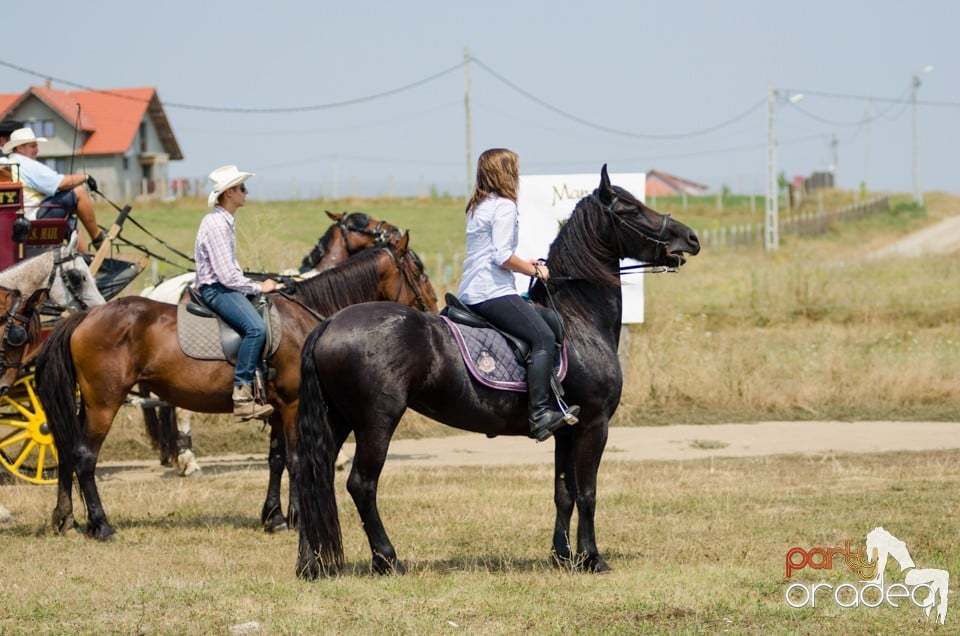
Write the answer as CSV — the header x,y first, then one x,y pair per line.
x,y
259,111
873,99
614,131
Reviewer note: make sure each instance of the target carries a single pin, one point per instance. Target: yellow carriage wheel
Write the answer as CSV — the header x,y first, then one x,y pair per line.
x,y
26,444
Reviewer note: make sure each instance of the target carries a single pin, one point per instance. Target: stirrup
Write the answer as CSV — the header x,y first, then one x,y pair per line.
x,y
570,413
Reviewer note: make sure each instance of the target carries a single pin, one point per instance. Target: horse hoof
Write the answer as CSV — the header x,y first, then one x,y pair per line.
x,y
272,528
386,567
598,566
101,533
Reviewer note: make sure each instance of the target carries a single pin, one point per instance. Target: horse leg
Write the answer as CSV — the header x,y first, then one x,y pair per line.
x,y
187,465
362,483
271,516
588,447
564,497
85,464
63,519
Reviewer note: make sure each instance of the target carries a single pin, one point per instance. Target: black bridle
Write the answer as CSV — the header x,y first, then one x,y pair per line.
x,y
16,333
659,240
381,237
72,279
408,277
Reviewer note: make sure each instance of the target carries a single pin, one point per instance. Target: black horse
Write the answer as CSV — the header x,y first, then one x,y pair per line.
x,y
362,368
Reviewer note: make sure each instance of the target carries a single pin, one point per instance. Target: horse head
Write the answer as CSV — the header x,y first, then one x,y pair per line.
x,y
71,284
642,233
20,332
609,225
415,288
350,233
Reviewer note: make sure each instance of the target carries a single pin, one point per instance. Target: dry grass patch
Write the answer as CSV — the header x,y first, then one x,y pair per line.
x,y
695,546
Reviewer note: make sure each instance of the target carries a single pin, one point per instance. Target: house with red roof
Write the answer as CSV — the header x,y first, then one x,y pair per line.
x,y
119,136
661,184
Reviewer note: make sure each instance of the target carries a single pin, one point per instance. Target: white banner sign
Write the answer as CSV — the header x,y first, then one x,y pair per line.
x,y
547,200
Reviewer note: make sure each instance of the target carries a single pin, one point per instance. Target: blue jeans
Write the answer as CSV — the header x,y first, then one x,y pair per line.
x,y
237,311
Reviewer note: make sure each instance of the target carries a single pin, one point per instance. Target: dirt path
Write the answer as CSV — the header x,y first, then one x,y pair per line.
x,y
670,443
942,238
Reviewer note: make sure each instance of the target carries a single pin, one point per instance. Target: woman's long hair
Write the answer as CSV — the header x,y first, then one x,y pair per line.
x,y
498,172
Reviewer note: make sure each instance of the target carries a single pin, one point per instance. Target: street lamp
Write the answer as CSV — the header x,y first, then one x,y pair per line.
x,y
772,218
914,85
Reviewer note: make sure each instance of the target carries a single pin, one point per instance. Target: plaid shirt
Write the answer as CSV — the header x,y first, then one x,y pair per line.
x,y
216,253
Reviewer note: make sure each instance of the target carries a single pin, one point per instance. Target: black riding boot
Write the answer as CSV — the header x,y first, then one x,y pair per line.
x,y
544,418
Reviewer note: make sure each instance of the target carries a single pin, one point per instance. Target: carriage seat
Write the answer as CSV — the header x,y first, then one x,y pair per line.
x,y
456,311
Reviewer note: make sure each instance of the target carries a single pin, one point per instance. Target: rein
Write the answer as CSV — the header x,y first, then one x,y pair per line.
x,y
313,312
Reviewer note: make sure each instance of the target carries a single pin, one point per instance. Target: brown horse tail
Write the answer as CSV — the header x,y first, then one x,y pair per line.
x,y
321,545
56,382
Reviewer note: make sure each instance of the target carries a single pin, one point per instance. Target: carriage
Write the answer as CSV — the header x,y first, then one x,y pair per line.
x,y
27,450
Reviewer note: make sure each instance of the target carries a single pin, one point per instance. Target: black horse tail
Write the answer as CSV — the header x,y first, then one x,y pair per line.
x,y
321,544
56,381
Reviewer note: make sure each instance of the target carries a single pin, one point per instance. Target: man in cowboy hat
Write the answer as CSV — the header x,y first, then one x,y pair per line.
x,y
46,192
225,288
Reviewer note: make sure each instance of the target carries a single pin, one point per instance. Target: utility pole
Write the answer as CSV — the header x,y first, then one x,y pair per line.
x,y
466,103
914,85
835,143
867,116
772,218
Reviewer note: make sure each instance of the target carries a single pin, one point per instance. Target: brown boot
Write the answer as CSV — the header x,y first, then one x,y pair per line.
x,y
245,407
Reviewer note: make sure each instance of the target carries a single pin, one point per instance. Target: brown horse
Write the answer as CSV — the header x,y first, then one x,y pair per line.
x,y
350,233
109,349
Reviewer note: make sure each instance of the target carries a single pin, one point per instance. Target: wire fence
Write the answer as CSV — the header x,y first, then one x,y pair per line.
x,y
799,223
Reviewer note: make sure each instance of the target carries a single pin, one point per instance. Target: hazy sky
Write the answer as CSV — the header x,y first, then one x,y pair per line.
x,y
675,85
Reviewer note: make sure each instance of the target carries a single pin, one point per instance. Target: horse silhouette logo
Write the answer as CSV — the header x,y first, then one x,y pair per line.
x,y
881,545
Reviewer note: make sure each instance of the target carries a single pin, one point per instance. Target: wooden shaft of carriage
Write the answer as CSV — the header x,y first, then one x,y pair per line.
x,y
111,236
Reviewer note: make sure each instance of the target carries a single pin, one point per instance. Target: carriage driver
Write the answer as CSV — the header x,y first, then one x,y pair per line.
x,y
48,194
224,287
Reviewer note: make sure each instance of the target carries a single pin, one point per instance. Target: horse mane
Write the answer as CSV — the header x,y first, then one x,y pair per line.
x,y
354,281
582,249
319,250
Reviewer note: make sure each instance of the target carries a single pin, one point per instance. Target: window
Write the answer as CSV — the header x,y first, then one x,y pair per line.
x,y
43,128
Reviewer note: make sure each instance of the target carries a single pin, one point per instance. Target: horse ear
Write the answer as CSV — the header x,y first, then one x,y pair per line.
x,y
38,297
334,216
72,245
403,242
605,190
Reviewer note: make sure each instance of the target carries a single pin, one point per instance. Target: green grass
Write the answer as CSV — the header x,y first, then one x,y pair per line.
x,y
695,546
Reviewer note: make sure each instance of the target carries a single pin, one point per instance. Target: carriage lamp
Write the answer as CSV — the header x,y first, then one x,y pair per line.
x,y
21,228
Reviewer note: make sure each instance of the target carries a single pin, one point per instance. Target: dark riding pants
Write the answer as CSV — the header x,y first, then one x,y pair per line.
x,y
518,317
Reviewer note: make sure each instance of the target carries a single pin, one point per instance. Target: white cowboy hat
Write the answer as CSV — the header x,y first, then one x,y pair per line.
x,y
19,137
224,178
